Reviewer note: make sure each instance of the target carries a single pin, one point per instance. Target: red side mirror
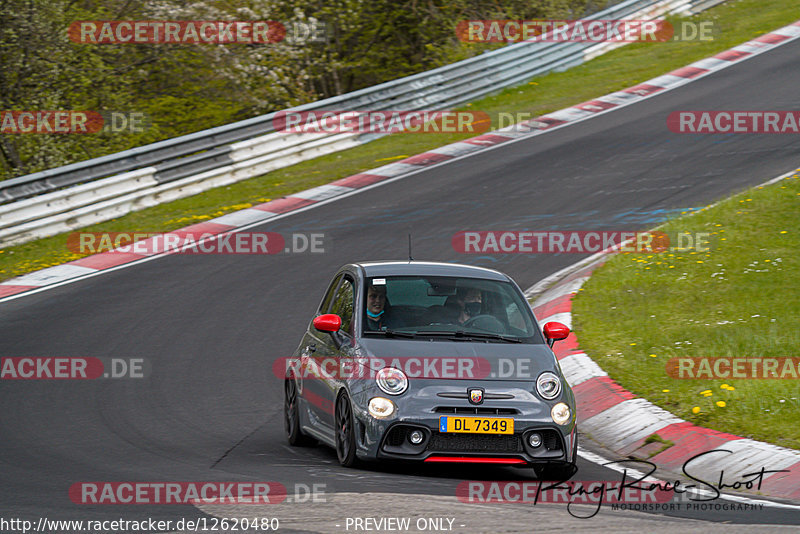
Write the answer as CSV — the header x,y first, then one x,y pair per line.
x,y
329,322
554,331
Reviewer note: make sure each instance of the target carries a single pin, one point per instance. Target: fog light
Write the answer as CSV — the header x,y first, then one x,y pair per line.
x,y
535,440
416,437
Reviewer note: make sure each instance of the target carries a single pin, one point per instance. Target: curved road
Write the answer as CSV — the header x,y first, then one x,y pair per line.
x,y
210,326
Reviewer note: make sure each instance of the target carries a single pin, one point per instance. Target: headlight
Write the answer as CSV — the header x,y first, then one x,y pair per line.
x,y
560,413
380,408
392,381
548,385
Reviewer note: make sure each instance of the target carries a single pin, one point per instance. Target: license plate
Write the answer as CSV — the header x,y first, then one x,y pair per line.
x,y
476,425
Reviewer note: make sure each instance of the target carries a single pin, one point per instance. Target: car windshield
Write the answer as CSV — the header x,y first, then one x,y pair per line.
x,y
448,308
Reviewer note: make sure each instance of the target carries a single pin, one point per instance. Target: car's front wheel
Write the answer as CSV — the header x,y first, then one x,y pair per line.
x,y
345,432
291,416
558,472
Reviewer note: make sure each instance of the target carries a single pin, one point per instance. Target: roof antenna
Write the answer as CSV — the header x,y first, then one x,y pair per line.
x,y
410,259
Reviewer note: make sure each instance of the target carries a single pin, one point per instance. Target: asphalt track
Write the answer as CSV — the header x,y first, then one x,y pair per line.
x,y
210,326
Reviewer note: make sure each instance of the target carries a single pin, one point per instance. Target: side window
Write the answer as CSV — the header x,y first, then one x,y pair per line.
x,y
326,302
343,305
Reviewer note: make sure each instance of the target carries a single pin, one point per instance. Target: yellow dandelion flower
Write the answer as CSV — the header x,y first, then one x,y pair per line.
x,y
653,356
721,404
664,391
696,410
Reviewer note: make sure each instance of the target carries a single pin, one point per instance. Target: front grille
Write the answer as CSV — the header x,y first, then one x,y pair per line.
x,y
474,443
475,410
551,440
397,435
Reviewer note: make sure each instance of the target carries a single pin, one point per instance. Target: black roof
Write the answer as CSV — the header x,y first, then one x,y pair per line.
x,y
428,268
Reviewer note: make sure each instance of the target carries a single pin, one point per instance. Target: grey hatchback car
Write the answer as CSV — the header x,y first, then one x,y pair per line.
x,y
434,362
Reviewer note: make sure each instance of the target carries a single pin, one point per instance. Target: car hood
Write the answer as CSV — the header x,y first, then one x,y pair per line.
x,y
460,360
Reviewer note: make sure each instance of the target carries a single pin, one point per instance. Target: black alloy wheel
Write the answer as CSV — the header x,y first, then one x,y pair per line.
x,y
291,416
345,433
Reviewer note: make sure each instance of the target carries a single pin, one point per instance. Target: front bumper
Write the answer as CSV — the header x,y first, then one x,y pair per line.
x,y
515,448
388,439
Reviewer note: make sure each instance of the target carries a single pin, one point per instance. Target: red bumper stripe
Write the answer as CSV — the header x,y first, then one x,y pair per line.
x,y
473,460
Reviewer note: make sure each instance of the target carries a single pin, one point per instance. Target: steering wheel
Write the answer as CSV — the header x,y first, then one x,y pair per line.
x,y
486,322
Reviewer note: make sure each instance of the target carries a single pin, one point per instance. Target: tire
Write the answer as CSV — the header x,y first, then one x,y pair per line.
x,y
559,471
575,448
291,416
345,432
555,472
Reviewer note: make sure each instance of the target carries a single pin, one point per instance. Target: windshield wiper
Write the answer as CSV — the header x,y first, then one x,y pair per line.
x,y
392,333
487,335
465,336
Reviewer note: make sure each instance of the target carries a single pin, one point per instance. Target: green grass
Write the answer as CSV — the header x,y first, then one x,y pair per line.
x,y
738,299
655,438
736,21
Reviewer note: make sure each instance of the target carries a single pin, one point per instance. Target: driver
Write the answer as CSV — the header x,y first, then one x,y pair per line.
x,y
470,301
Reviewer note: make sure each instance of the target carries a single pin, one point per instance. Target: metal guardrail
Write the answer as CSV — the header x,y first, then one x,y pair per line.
x,y
72,196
